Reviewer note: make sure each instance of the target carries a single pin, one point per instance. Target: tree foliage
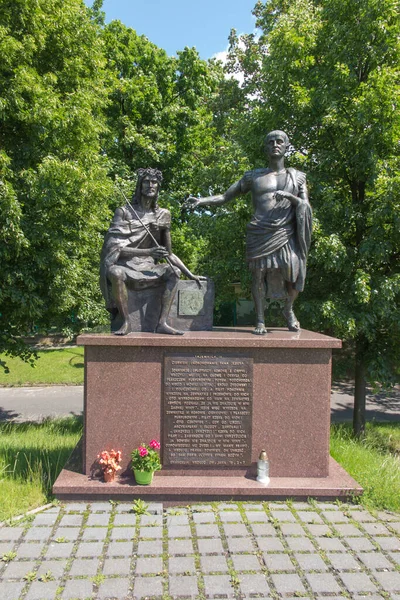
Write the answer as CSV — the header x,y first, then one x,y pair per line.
x,y
54,190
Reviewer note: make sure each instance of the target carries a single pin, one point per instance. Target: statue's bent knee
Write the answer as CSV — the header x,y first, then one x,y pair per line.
x,y
116,273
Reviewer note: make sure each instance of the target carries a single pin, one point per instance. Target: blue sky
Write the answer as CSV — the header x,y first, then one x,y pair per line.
x,y
174,24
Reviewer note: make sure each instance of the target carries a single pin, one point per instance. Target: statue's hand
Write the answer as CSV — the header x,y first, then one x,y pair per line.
x,y
281,195
198,279
158,252
191,203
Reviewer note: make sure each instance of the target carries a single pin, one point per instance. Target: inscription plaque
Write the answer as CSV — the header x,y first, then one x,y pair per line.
x,y
191,303
207,410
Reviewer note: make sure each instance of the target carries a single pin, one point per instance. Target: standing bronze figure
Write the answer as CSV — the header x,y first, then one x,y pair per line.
x,y
279,233
138,238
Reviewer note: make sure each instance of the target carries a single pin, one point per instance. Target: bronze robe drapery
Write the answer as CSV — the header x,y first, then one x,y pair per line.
x,y
281,238
141,271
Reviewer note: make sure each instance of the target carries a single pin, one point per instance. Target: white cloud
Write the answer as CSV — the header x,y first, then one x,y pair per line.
x,y
223,57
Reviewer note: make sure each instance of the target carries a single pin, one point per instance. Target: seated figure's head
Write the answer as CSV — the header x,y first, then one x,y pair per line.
x,y
276,143
148,186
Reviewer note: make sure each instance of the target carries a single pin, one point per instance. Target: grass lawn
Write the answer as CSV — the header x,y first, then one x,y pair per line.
x,y
32,455
374,462
60,366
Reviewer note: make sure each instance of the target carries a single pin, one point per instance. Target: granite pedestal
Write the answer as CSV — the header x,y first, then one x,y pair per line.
x,y
280,402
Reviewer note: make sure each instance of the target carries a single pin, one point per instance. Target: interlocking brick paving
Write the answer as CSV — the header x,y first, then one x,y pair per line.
x,y
238,551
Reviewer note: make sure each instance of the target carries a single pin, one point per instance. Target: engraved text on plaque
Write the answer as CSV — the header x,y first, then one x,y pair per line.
x,y
207,410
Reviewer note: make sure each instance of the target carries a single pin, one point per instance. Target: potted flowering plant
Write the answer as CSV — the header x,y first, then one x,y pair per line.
x,y
145,460
109,461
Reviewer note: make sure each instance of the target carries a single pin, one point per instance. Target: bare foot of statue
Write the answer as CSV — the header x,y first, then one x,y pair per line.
x,y
291,320
124,330
260,329
164,328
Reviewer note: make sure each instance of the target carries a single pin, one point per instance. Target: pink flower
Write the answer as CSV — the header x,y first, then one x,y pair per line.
x,y
143,451
110,460
154,444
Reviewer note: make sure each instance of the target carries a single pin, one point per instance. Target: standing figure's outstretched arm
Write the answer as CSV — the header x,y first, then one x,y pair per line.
x,y
234,191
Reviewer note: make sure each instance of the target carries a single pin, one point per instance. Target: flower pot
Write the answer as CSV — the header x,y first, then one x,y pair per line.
x,y
109,476
143,477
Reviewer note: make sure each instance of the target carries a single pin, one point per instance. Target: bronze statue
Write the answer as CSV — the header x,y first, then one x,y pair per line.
x,y
138,238
279,233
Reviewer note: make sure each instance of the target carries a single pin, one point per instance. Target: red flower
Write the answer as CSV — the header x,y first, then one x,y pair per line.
x,y
143,451
154,444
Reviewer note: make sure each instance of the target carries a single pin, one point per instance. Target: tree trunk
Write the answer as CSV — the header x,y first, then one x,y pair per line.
x,y
360,391
360,388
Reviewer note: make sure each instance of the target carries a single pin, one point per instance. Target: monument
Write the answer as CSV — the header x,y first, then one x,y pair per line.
x,y
219,401
279,233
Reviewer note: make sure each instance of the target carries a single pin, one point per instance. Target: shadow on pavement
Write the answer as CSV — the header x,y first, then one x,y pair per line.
x,y
8,415
383,406
16,417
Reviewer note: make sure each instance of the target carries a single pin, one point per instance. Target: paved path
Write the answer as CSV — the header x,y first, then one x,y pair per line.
x,y
380,407
225,550
35,403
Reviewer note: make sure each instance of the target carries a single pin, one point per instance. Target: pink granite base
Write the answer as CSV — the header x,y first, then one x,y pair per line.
x,y
291,375
291,392
174,490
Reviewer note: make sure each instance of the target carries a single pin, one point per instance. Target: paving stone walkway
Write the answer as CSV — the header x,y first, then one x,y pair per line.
x,y
224,550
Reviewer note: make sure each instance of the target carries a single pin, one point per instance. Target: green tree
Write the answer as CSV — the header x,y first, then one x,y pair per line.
x,y
54,190
327,72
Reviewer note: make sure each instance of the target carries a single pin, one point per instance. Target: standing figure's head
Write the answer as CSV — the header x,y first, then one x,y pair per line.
x,y
148,186
276,143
